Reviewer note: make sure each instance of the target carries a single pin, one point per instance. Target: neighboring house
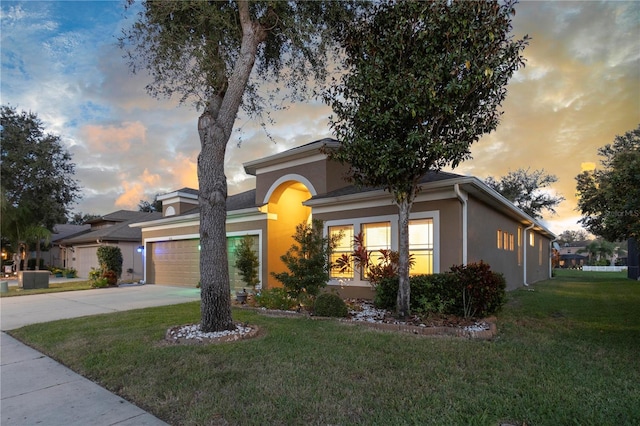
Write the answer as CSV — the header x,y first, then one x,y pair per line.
x,y
572,257
113,229
455,220
56,255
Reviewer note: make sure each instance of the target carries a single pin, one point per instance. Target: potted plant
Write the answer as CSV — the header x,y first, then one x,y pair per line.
x,y
70,273
57,272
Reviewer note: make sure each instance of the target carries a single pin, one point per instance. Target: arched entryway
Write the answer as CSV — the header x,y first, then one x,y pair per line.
x,y
285,200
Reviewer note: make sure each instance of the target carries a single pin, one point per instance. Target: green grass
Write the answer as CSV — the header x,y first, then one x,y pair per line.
x,y
53,288
566,354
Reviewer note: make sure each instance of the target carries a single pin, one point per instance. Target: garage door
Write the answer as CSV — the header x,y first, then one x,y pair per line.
x,y
174,263
85,258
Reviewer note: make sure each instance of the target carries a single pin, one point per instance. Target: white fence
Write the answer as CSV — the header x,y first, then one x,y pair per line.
x,y
605,268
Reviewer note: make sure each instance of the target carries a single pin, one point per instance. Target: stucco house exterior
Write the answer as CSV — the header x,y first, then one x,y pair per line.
x,y
455,220
80,251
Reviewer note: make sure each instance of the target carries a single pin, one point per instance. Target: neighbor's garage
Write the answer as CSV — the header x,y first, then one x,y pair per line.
x,y
174,263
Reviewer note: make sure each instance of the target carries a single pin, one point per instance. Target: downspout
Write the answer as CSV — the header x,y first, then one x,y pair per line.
x,y
463,200
524,255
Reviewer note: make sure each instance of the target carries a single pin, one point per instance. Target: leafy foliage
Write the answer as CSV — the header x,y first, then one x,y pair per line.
x,y
110,259
307,260
365,261
525,189
609,198
205,52
471,290
275,298
81,218
424,82
247,262
330,305
150,206
37,184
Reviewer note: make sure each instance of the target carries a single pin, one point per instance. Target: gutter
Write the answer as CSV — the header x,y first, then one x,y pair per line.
x,y
463,200
524,255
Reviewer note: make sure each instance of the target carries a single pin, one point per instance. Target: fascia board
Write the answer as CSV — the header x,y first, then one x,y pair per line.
x,y
282,159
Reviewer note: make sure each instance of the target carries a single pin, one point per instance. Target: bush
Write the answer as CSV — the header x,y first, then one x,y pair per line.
x,y
247,262
330,305
275,298
99,283
468,290
111,277
110,259
483,291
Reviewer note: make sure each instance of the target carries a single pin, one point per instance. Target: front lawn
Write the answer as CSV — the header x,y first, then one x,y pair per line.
x,y
566,353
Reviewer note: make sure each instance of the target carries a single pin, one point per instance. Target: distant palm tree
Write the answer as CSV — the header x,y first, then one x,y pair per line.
x,y
38,235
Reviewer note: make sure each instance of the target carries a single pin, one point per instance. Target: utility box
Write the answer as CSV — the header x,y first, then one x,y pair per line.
x,y
28,280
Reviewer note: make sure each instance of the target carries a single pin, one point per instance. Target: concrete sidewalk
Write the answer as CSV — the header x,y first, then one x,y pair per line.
x,y
34,389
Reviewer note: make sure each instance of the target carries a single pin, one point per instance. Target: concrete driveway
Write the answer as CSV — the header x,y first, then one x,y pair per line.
x,y
34,389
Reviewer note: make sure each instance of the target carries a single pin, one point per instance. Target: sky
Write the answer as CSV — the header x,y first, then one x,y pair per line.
x,y
579,89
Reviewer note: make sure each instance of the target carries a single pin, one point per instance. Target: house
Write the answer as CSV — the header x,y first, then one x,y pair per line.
x,y
455,220
80,251
56,255
571,257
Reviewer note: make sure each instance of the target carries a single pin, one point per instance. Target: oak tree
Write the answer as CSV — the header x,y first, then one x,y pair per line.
x,y
216,55
526,190
609,197
424,81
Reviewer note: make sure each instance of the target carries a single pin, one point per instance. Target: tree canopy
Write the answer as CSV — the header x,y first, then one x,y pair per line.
x,y
609,197
424,81
525,189
38,184
217,54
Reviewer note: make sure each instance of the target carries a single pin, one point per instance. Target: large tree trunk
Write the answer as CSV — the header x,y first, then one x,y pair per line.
x,y
404,288
215,126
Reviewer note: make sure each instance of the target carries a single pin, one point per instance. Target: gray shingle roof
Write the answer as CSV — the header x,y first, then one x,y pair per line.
x,y
119,231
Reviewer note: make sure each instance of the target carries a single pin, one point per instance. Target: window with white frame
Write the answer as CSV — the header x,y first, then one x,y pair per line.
x,y
376,236
344,247
421,246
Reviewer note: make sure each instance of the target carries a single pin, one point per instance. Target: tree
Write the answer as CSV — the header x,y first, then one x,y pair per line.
x,y
525,190
573,238
247,262
150,206
37,184
609,197
424,81
81,219
37,235
215,54
307,260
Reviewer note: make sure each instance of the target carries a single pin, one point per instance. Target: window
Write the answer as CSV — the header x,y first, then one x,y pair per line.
x,y
519,246
499,238
532,239
540,252
511,242
505,240
344,247
377,236
421,246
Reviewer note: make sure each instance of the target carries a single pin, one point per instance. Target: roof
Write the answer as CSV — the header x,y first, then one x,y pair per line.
x,y
66,230
353,189
120,231
301,151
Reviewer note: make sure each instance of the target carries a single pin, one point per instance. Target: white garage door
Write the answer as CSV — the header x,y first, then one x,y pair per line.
x,y
85,259
174,263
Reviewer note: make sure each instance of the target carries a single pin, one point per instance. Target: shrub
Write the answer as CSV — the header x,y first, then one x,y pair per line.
x,y
330,305
483,291
307,261
275,298
111,277
247,262
110,259
99,283
468,290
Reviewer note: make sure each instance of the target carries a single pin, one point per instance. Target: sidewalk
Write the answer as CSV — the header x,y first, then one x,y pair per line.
x,y
34,389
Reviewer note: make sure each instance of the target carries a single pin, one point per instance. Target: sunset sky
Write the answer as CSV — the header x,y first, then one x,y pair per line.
x,y
580,88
